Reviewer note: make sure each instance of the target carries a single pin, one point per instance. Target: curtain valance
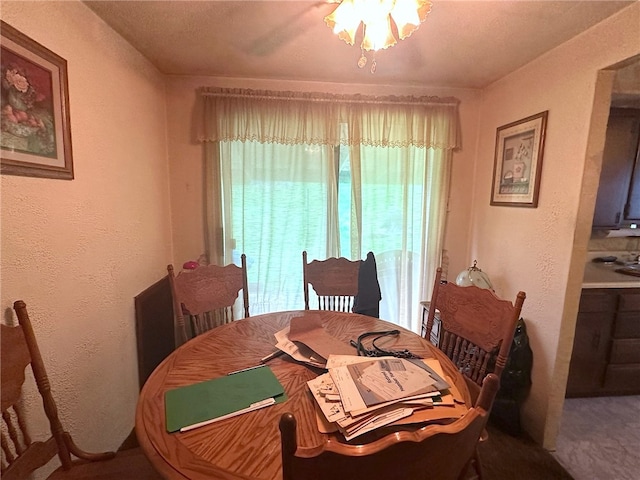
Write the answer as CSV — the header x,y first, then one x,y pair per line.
x,y
291,118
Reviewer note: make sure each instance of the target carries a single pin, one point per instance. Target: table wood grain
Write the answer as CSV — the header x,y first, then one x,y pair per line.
x,y
248,446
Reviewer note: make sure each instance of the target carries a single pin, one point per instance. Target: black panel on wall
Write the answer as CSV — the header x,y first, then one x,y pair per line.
x,y
154,327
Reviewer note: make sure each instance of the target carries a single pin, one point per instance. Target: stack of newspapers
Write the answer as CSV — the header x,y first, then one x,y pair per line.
x,y
360,394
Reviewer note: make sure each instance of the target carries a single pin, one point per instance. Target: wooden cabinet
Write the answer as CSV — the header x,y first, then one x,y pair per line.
x,y
591,342
618,201
606,346
623,369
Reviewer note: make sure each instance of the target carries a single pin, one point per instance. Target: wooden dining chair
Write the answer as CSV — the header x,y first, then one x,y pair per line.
x,y
475,330
335,281
206,295
434,451
22,455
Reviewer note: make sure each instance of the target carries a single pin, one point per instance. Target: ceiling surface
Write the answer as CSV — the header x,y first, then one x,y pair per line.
x,y
461,44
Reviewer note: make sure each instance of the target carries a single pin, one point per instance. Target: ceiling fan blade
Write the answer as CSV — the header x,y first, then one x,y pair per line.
x,y
292,25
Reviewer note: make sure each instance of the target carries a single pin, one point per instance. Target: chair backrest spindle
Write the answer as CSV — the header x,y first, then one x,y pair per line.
x,y
335,281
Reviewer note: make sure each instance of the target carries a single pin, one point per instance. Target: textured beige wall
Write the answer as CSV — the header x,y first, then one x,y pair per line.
x,y
185,156
531,249
78,251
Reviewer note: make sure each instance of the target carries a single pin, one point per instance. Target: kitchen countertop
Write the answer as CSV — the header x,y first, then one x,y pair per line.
x,y
603,275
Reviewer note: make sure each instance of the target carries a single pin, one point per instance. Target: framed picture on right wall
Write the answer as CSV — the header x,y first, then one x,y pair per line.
x,y
518,162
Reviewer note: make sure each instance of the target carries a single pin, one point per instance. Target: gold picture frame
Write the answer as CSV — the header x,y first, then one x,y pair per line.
x,y
35,136
518,162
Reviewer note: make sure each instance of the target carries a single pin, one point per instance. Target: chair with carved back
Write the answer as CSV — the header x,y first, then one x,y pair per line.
x,y
204,298
22,455
335,281
434,451
475,330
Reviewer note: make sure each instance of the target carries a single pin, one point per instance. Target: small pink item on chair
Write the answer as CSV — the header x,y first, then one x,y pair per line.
x,y
190,265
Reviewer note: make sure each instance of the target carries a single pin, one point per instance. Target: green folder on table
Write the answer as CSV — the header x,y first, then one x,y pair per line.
x,y
221,397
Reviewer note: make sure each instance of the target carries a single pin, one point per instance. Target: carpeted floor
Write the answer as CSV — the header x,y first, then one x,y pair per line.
x,y
508,457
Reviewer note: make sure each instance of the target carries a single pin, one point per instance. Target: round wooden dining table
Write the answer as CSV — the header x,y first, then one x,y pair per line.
x,y
248,446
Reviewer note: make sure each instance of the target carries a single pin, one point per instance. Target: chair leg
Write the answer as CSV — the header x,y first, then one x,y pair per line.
x,y
477,465
469,471
473,468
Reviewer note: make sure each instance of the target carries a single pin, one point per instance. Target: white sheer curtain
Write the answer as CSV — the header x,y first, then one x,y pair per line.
x,y
277,200
403,192
277,163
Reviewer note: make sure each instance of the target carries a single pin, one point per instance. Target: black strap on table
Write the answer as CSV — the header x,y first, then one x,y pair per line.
x,y
377,351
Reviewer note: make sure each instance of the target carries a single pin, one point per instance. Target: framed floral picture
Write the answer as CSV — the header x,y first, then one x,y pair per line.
x,y
35,138
518,162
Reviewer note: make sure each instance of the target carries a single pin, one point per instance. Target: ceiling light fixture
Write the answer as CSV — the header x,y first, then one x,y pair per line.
x,y
384,22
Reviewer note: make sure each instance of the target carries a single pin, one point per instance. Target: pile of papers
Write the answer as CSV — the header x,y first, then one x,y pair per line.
x,y
360,394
